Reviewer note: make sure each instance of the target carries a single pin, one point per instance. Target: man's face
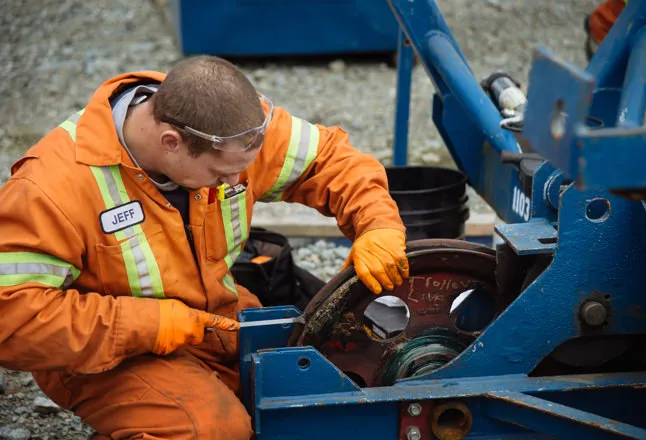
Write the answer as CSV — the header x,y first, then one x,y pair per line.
x,y
209,169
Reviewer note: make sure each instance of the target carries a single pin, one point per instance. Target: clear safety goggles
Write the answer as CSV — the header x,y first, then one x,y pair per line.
x,y
255,135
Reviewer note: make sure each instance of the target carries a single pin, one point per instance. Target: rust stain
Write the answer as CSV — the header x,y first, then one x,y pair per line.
x,y
575,379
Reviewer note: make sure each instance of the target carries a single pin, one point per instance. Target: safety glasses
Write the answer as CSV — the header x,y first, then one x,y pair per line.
x,y
255,135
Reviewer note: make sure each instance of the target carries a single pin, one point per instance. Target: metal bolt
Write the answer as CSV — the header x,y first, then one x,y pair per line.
x,y
140,176
198,196
594,313
412,433
414,409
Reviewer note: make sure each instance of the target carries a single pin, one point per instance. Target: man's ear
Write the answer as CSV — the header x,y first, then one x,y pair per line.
x,y
170,140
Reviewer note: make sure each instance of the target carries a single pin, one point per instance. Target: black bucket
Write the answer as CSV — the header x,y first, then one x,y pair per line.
x,y
432,201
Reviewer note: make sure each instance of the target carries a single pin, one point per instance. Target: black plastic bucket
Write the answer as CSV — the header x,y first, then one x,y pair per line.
x,y
432,201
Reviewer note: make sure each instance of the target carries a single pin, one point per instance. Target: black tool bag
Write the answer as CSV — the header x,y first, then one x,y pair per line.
x,y
266,267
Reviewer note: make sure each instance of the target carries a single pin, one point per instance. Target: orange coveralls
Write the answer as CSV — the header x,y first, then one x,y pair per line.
x,y
604,17
80,306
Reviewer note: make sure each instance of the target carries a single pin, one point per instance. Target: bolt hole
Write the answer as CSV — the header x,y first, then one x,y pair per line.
x,y
598,210
473,310
557,126
386,317
452,419
304,363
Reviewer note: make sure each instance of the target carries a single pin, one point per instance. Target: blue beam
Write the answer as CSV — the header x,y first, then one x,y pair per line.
x,y
608,63
464,115
548,417
280,375
417,18
462,84
402,102
633,96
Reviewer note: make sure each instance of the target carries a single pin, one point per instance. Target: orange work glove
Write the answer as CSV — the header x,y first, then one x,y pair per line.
x,y
180,325
379,258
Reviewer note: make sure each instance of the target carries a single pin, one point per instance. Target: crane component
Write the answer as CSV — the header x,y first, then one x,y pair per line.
x,y
543,336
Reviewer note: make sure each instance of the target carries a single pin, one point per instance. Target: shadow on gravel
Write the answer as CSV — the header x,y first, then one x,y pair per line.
x,y
354,59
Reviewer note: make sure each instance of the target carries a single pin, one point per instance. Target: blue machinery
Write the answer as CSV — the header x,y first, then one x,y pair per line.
x,y
564,353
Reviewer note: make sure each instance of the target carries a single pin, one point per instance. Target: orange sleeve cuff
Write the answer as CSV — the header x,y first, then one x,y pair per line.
x,y
380,224
137,326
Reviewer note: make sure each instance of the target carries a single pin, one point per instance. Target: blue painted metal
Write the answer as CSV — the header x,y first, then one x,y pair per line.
x,y
546,203
485,240
283,27
542,415
465,117
296,367
547,105
633,97
538,236
608,63
622,404
335,387
290,401
596,158
611,89
604,252
405,58
453,71
596,241
253,339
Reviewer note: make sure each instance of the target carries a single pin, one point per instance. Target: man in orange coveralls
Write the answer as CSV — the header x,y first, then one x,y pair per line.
x,y
116,240
599,22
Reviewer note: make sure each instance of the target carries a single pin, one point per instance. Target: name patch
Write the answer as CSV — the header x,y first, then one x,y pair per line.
x,y
122,217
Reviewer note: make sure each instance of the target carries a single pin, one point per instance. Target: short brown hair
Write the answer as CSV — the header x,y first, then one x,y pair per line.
x,y
211,95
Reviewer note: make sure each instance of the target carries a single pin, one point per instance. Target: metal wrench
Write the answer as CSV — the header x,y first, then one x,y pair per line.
x,y
280,321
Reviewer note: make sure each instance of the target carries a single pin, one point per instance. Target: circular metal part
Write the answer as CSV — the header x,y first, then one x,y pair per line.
x,y
451,421
554,187
422,355
598,210
594,313
414,409
591,348
374,352
413,433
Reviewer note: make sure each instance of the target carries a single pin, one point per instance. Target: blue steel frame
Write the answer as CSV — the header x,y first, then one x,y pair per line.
x,y
595,237
465,117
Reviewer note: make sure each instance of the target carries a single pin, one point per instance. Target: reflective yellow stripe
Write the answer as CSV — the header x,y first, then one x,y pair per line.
x,y
29,267
236,230
143,273
70,124
303,146
229,283
142,270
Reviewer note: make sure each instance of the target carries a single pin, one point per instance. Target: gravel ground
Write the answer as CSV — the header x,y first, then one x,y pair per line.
x,y
54,53
322,258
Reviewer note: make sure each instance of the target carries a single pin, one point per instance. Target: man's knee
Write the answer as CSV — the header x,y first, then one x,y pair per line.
x,y
237,427
233,424
160,398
